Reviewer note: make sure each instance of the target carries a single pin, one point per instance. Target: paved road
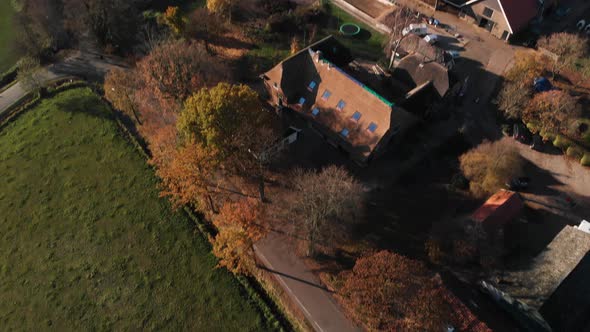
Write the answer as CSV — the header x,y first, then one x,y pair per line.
x,y
303,287
87,64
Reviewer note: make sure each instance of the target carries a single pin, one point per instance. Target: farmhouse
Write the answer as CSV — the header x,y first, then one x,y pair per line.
x,y
502,18
347,113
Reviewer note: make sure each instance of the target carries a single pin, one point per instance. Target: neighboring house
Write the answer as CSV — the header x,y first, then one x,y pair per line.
x,y
347,113
419,73
568,308
502,18
556,282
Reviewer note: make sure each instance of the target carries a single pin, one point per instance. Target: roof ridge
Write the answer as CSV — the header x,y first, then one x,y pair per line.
x,y
359,83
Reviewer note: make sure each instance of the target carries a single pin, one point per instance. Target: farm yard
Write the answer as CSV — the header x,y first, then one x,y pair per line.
x,y
85,241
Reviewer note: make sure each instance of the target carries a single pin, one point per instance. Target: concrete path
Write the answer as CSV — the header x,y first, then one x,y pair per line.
x,y
302,286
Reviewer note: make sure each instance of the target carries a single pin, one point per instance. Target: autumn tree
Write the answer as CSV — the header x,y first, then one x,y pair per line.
x,y
173,19
187,177
229,119
176,69
112,23
389,292
326,200
295,47
204,26
39,26
489,166
119,88
567,48
239,228
517,90
221,7
553,111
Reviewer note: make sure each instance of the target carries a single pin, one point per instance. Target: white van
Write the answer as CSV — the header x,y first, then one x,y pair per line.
x,y
417,29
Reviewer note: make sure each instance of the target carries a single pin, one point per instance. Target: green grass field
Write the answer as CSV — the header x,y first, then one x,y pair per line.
x,y
369,44
85,242
7,55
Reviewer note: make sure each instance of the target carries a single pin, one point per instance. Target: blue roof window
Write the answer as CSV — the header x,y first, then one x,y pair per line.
x,y
311,86
356,116
301,101
341,105
315,111
372,127
326,95
344,132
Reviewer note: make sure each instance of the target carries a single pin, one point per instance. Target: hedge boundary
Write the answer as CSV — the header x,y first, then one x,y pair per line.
x,y
252,287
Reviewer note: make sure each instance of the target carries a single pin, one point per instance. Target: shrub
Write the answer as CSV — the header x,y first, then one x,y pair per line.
x,y
574,152
586,159
562,142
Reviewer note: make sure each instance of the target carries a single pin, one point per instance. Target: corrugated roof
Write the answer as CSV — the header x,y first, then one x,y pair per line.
x,y
499,209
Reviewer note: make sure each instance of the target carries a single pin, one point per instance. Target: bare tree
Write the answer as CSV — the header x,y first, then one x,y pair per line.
x,y
397,21
567,47
28,75
326,199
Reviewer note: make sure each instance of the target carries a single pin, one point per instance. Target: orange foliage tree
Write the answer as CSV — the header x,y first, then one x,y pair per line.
x,y
239,228
389,292
186,177
554,111
173,18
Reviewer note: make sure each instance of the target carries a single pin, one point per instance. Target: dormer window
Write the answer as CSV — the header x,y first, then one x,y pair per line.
x,y
311,86
326,95
341,104
315,111
356,116
275,85
301,101
344,132
372,127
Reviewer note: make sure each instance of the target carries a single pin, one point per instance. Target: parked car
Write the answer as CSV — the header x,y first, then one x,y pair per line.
x,y
417,29
517,184
431,39
453,54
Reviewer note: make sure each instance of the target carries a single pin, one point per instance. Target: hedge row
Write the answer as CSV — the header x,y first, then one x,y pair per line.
x,y
8,76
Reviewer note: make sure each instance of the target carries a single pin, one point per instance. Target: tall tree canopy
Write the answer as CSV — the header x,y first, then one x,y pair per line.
x,y
554,111
389,292
227,118
176,69
489,166
568,47
327,200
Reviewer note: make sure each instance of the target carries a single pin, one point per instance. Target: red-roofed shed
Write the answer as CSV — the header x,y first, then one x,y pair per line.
x,y
503,207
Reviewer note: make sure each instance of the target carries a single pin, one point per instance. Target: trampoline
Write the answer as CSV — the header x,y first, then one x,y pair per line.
x,y
350,29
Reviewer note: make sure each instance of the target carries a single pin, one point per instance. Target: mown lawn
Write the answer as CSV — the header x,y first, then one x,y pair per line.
x,y
7,55
367,45
85,242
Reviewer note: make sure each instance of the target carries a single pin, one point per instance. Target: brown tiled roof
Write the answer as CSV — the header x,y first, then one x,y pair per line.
x,y
417,70
294,76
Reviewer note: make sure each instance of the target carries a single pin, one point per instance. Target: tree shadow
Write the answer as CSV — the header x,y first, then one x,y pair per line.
x,y
85,105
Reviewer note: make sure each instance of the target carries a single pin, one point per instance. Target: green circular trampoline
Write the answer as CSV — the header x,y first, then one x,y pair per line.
x,y
350,29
